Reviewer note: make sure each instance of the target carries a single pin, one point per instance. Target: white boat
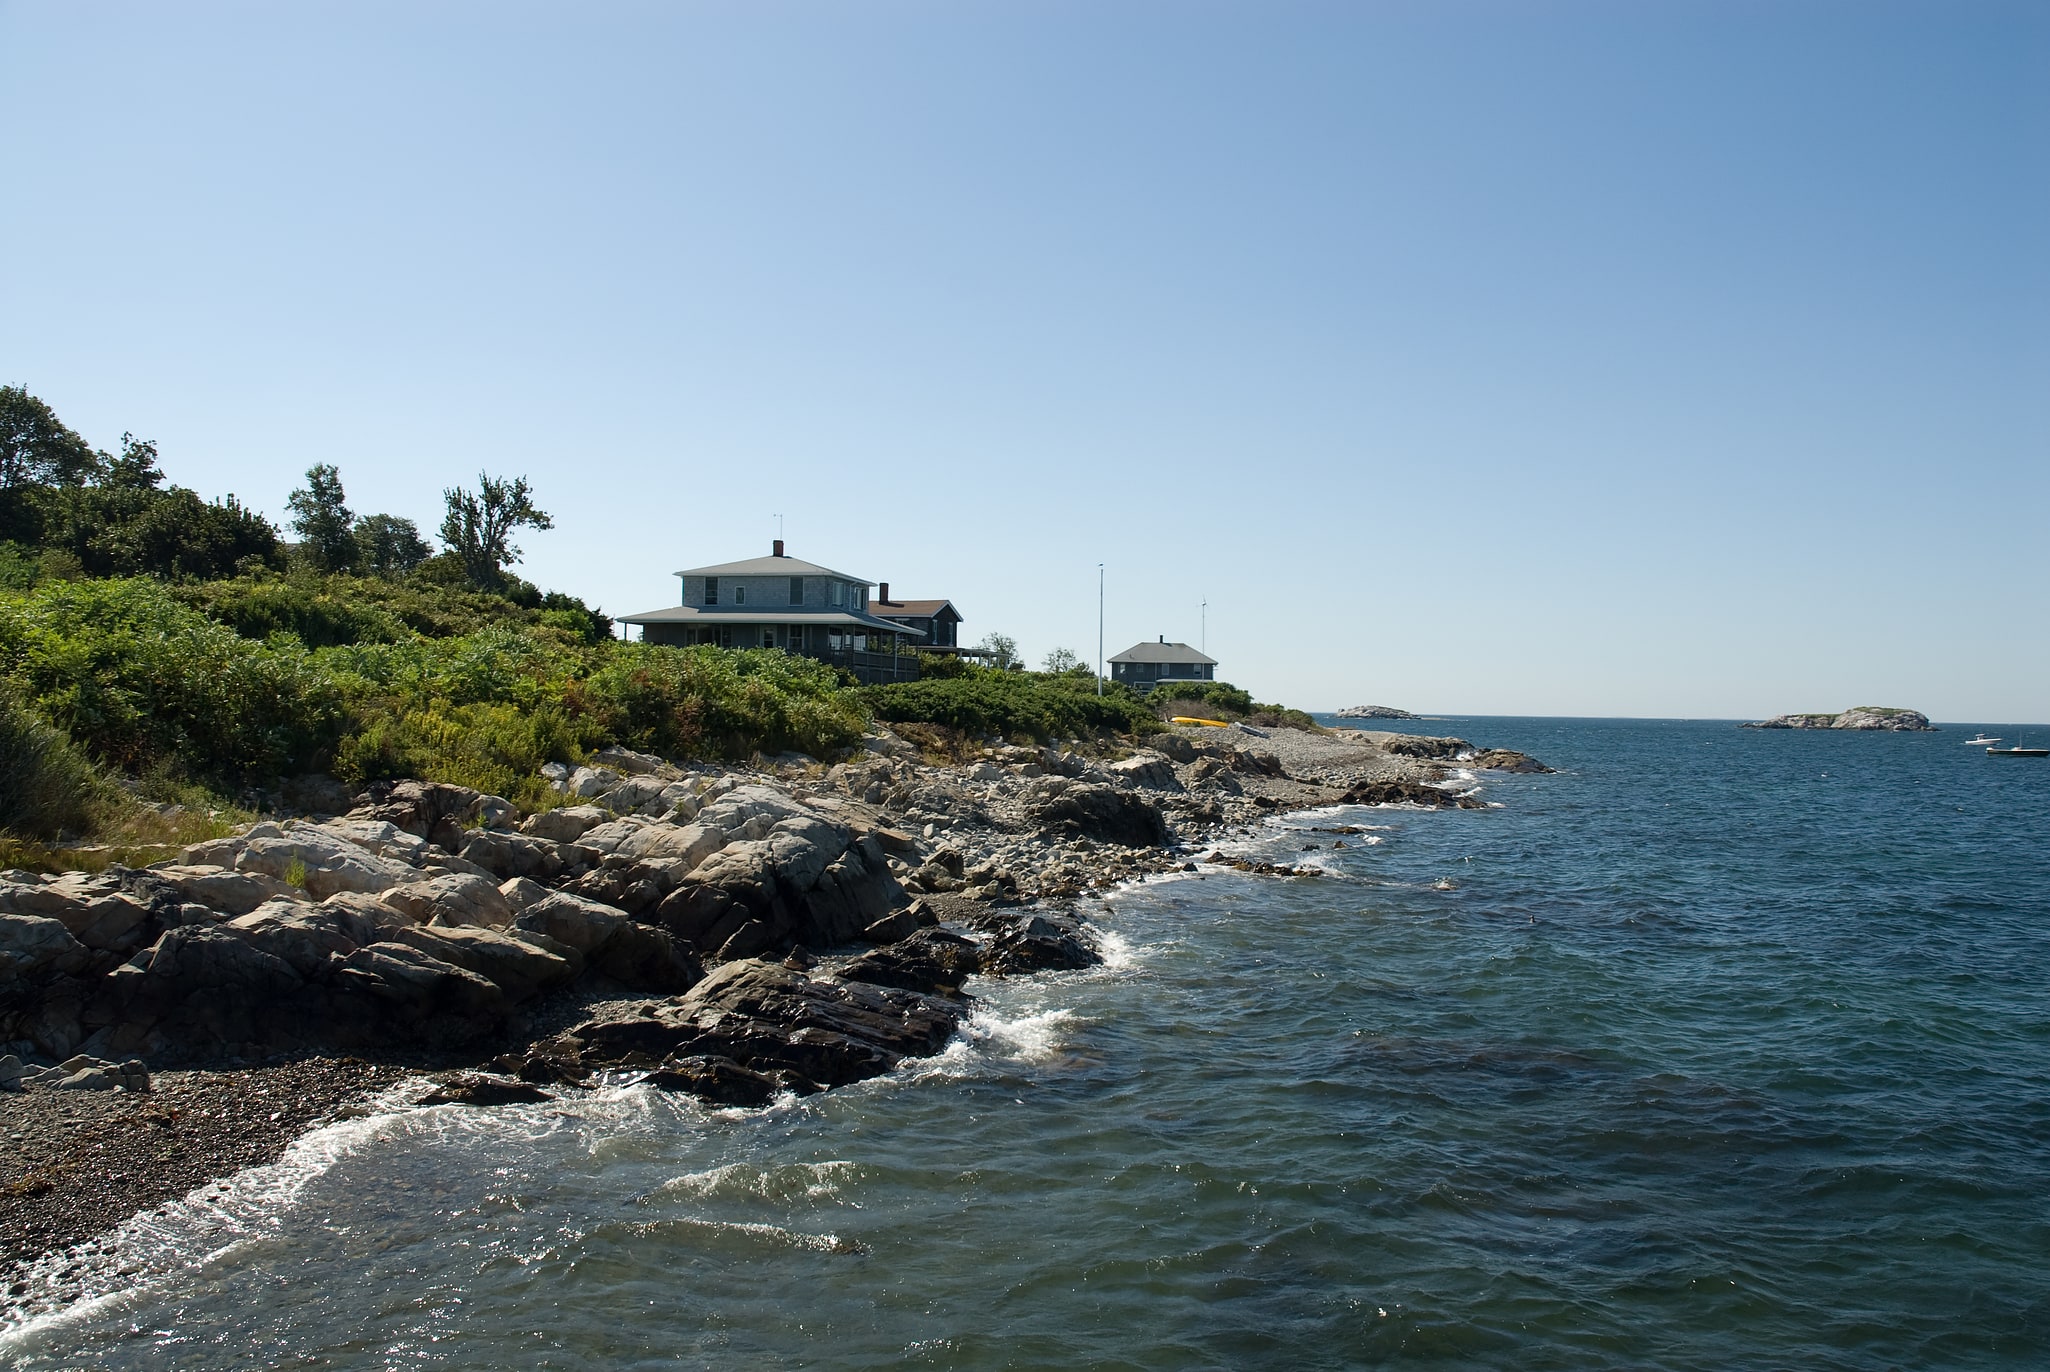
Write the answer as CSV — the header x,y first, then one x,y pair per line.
x,y
1982,741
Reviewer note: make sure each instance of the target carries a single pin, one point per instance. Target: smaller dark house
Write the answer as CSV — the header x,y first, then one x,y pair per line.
x,y
934,623
1144,666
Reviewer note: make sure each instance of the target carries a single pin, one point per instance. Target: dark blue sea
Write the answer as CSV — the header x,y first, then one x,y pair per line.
x,y
1718,1049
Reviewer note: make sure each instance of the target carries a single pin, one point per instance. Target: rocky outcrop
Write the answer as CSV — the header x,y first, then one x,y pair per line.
x,y
801,1032
1098,812
1504,760
1374,712
1411,793
1867,717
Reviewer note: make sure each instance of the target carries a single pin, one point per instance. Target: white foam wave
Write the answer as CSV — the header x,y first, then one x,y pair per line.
x,y
203,1227
810,1181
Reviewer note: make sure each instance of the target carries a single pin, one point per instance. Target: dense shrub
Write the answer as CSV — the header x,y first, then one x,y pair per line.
x,y
1199,697
333,611
142,681
46,785
711,702
986,701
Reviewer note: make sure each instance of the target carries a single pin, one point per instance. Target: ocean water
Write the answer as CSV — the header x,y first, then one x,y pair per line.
x,y
1718,1049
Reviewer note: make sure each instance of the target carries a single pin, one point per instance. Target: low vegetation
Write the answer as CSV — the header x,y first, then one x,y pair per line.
x,y
168,663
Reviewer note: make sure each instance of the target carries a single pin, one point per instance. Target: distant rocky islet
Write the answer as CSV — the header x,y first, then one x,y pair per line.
x,y
1880,718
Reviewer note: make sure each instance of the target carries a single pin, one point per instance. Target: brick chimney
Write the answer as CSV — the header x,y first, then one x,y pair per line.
x,y
884,598
778,549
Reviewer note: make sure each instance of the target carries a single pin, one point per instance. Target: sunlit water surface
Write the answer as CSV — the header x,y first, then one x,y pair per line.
x,y
1722,1049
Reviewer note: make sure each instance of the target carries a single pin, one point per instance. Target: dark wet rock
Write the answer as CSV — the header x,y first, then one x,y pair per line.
x,y
771,1018
426,809
718,1080
899,924
1411,793
1419,745
1506,760
1099,812
929,960
1035,943
477,1088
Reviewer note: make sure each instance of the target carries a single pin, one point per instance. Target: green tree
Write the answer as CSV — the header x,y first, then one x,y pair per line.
x,y
387,545
1003,650
1061,660
125,524
324,524
37,451
479,525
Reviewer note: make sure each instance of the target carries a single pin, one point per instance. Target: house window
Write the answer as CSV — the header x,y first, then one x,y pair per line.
x,y
711,590
768,636
725,635
797,590
839,591
740,593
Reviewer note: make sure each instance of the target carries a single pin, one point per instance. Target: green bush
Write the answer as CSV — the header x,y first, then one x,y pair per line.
x,y
46,785
1214,696
141,681
984,701
710,702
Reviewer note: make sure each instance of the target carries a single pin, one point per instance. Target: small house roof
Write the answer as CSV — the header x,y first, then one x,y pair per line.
x,y
1177,654
772,566
911,609
741,614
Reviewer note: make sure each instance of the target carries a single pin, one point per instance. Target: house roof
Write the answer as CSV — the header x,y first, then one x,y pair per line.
x,y
1179,654
741,614
772,566
911,609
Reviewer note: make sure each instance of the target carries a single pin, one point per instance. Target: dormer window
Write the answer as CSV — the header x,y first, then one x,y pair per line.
x,y
711,590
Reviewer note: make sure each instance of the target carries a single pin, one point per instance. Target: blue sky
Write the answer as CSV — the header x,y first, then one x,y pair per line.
x,y
1571,358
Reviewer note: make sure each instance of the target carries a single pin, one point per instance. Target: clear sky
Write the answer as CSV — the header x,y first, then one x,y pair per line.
x,y
1655,358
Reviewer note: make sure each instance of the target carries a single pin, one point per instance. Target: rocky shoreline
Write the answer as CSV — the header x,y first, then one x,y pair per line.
x,y
729,932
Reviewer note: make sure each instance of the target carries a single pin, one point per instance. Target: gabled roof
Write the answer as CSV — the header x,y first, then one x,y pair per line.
x,y
1179,654
911,609
772,566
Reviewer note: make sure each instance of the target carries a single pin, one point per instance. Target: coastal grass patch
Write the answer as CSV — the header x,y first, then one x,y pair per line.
x,y
985,702
1222,700
47,786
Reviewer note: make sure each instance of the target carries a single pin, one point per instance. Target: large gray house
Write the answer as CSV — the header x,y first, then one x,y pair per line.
x,y
1144,666
781,602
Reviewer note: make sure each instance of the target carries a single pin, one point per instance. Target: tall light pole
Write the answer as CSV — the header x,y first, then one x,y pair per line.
x,y
1099,628
1203,637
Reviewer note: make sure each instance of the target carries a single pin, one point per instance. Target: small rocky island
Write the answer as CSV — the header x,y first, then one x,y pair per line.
x,y
1881,717
1374,712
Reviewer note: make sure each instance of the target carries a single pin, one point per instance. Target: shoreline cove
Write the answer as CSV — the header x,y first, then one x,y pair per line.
x,y
90,1166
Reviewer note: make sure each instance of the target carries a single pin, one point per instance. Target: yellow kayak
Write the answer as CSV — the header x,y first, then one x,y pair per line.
x,y
1206,723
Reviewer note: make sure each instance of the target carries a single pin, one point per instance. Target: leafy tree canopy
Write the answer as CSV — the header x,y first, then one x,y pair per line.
x,y
387,545
323,522
479,525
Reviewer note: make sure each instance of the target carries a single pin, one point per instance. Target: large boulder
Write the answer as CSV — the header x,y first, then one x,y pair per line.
x,y
222,888
519,967
199,984
423,996
635,955
1102,813
323,862
459,900
930,960
508,855
566,824
1148,769
1035,943
306,938
113,912
34,947
805,880
776,1020
426,809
